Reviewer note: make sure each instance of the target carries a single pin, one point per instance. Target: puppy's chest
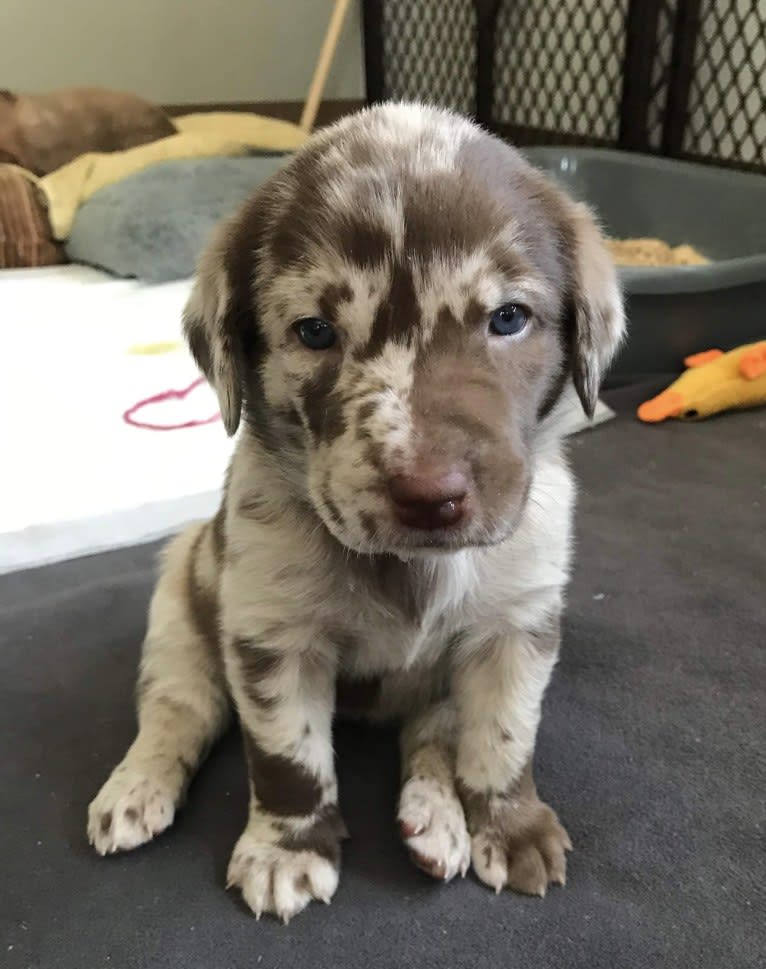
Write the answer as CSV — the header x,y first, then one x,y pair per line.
x,y
393,617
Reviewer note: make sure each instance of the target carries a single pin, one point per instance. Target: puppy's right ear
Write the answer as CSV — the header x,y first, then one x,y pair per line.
x,y
218,316
597,314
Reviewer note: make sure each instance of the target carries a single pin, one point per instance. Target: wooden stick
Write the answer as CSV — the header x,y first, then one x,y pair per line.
x,y
324,63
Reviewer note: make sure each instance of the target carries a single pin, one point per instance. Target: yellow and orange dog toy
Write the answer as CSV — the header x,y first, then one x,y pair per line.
x,y
715,381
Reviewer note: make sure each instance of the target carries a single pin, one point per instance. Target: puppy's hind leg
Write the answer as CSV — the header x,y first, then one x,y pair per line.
x,y
182,700
431,818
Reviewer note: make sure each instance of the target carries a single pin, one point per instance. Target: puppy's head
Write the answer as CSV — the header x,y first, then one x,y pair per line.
x,y
396,313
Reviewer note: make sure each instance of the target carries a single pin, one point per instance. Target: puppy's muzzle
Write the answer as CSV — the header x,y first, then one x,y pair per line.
x,y
430,498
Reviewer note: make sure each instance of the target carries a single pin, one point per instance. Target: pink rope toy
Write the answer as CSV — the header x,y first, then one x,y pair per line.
x,y
129,418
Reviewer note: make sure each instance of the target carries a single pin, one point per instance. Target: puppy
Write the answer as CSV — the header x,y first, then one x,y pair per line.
x,y
394,320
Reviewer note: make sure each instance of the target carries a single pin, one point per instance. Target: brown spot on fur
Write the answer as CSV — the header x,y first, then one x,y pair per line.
x,y
447,336
291,234
323,836
557,386
369,524
481,807
526,831
404,588
202,601
365,412
287,247
290,416
363,242
447,213
106,822
131,814
342,638
218,535
372,454
199,344
507,261
323,406
295,226
258,666
266,424
332,509
475,314
357,697
444,318
398,316
332,296
281,786
257,508
334,421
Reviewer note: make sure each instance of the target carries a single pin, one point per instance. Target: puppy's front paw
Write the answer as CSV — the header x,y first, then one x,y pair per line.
x,y
519,844
280,868
130,809
433,827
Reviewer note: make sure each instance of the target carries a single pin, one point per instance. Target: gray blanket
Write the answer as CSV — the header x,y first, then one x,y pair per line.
x,y
153,225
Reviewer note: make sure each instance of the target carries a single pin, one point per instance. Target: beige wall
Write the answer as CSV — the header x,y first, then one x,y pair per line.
x,y
176,51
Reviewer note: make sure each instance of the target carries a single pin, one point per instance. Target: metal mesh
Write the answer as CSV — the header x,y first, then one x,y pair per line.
x,y
658,96
429,52
689,81
558,68
727,98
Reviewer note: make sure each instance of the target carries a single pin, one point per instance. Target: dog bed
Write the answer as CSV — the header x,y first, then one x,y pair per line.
x,y
650,750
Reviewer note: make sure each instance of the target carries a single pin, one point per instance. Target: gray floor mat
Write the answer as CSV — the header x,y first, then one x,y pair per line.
x,y
651,749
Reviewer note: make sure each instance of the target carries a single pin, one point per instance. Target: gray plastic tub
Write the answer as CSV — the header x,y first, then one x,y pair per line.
x,y
675,311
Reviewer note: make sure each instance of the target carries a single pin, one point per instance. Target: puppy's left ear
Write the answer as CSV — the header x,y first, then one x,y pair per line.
x,y
219,319
597,316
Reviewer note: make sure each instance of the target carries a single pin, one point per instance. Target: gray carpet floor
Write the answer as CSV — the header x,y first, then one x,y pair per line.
x,y
651,749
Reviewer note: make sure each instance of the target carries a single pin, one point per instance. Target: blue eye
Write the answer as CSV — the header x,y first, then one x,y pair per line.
x,y
315,333
508,320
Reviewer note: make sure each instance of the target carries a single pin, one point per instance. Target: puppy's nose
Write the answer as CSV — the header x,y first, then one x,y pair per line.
x,y
429,500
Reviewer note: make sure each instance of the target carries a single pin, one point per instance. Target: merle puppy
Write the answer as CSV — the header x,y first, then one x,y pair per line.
x,y
393,323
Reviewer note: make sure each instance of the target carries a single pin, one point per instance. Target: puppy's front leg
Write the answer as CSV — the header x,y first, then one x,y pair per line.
x,y
516,839
289,852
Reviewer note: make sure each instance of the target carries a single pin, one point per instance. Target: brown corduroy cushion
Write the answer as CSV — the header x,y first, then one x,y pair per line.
x,y
25,235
